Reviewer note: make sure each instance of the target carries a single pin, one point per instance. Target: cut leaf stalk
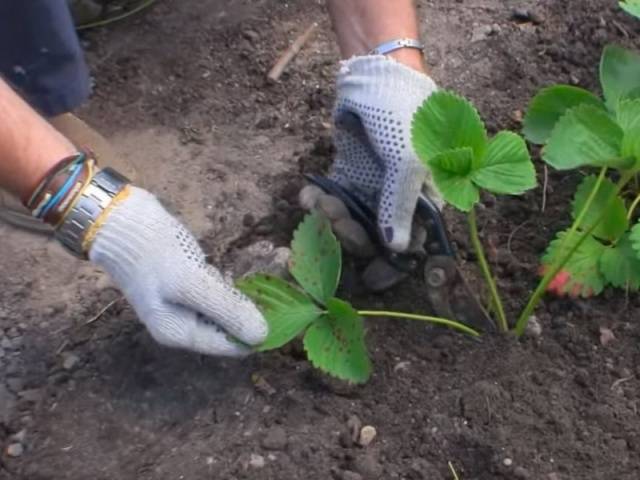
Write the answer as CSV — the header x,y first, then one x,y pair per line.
x,y
423,318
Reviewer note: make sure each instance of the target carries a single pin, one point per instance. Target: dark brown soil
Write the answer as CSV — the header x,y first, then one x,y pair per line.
x,y
560,406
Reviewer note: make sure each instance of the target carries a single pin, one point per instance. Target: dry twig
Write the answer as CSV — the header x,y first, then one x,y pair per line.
x,y
290,53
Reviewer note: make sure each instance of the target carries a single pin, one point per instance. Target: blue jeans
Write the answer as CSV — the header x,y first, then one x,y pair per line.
x,y
40,55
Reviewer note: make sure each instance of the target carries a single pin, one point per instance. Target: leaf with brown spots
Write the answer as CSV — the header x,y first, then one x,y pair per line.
x,y
335,343
316,260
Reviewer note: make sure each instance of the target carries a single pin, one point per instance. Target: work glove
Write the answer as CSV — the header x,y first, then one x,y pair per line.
x,y
161,269
377,98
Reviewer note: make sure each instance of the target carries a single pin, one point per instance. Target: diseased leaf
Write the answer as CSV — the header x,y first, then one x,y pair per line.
x,y
451,172
585,135
316,259
620,265
619,74
335,343
287,310
549,105
584,277
506,167
446,121
632,7
614,223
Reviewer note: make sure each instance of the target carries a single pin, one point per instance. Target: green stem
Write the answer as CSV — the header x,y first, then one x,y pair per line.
x,y
424,318
633,206
486,271
535,298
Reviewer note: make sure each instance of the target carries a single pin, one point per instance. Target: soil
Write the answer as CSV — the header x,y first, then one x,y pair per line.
x,y
181,91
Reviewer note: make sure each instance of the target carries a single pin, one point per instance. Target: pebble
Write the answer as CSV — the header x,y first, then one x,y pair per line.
x,y
534,329
308,197
15,450
481,32
507,462
354,425
353,238
526,15
5,343
332,207
367,435
256,461
380,275
69,360
275,439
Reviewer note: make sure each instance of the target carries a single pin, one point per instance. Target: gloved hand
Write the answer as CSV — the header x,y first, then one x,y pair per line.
x,y
161,270
377,98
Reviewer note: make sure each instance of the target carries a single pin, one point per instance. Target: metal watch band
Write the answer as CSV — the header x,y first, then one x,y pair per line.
x,y
396,44
97,196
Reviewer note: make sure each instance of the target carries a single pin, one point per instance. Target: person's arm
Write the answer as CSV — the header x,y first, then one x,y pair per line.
x,y
361,25
29,145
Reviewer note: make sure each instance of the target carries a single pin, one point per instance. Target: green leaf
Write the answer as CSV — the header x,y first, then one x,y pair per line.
x,y
316,259
335,343
619,74
585,135
287,310
620,265
629,119
506,167
451,172
614,223
632,7
634,236
549,105
446,121
585,278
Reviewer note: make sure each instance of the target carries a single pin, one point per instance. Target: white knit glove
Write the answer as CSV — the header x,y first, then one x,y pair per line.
x,y
161,270
377,98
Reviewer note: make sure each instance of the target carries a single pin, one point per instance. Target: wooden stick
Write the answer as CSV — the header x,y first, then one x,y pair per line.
x,y
290,53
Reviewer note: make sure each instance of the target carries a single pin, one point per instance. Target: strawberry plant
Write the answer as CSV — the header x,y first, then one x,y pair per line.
x,y
333,330
452,141
578,129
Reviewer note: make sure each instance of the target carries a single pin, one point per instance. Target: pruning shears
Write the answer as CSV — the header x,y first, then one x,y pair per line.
x,y
447,290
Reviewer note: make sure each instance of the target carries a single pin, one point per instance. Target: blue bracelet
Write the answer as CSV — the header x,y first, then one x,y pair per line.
x,y
76,168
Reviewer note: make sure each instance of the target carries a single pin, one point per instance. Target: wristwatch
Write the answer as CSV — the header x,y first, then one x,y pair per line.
x,y
92,201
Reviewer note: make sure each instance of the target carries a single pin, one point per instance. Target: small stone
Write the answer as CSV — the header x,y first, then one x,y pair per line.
x,y
380,275
606,336
401,367
275,439
70,360
332,207
507,462
20,436
15,450
481,32
308,197
533,329
256,461
5,343
367,435
353,238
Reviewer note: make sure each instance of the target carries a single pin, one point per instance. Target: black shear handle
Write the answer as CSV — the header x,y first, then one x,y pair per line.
x,y
438,242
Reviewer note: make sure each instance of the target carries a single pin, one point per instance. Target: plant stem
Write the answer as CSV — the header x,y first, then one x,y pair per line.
x,y
535,298
453,472
424,318
486,271
633,206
